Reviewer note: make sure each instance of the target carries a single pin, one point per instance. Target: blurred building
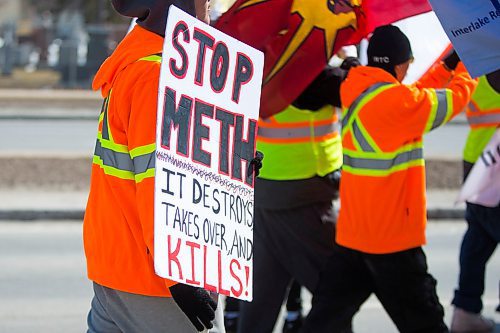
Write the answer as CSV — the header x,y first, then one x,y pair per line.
x,y
10,10
71,37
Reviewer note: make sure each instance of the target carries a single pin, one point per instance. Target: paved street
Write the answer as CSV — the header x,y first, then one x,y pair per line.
x,y
43,287
52,136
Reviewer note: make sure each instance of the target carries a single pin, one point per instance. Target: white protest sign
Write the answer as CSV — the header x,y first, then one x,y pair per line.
x,y
208,105
473,28
483,182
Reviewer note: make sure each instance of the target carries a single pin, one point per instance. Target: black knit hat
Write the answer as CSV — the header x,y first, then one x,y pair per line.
x,y
151,14
388,47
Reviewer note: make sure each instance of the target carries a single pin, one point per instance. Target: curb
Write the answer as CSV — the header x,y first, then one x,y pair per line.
x,y
49,95
76,215
446,214
77,116
35,215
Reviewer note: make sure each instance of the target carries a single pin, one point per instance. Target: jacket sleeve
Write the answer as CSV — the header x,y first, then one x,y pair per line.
x,y
416,111
141,134
436,77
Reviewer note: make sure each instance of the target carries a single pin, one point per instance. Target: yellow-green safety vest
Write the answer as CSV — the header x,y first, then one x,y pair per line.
x,y
483,115
300,144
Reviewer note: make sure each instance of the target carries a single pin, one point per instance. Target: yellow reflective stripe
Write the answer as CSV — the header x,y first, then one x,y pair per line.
x,y
153,58
115,159
112,171
442,108
366,137
381,154
106,130
144,160
383,163
146,168
344,114
122,165
101,117
365,97
432,114
382,173
111,145
358,142
142,150
148,174
449,106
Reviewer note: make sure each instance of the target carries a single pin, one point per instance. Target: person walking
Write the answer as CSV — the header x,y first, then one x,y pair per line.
x,y
382,219
294,214
118,227
483,227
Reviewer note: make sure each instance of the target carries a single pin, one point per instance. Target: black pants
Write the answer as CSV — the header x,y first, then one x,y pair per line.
x,y
399,280
292,244
479,243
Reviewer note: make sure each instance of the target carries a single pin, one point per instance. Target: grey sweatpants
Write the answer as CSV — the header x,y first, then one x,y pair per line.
x,y
114,311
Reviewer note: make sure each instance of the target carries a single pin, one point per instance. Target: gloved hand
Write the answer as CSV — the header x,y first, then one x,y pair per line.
x,y
451,61
334,177
196,303
256,163
350,62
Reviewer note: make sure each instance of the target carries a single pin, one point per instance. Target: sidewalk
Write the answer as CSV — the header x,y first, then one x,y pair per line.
x,y
31,205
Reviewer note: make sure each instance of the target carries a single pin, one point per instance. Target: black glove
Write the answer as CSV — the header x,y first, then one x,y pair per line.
x,y
451,61
334,178
256,163
323,90
350,62
196,303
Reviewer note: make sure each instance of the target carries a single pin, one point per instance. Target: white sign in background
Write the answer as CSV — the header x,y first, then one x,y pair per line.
x,y
483,182
208,105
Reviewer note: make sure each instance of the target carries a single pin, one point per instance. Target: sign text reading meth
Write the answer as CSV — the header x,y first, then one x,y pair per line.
x,y
206,128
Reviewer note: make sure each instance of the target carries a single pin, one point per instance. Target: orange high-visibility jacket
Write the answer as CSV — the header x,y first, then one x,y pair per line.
x,y
382,191
118,224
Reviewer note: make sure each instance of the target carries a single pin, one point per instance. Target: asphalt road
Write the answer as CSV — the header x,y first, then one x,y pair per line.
x,y
43,287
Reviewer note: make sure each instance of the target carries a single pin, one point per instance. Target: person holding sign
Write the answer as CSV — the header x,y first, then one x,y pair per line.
x,y
483,232
118,225
294,213
381,225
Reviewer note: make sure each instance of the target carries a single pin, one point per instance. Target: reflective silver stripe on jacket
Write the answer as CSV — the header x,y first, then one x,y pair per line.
x,y
484,119
365,146
298,132
123,161
143,163
442,108
359,99
383,164
472,107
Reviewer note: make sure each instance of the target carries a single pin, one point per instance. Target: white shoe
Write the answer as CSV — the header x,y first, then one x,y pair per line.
x,y
469,322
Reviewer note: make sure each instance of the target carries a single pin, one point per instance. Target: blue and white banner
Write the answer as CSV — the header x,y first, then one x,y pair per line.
x,y
483,182
473,28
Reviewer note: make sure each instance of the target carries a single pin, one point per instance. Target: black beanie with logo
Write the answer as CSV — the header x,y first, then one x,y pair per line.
x,y
388,47
151,14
